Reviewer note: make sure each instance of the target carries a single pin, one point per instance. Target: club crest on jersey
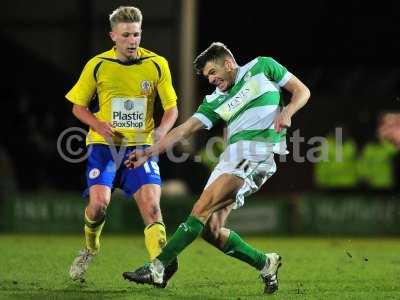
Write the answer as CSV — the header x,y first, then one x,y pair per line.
x,y
145,87
94,173
128,105
221,99
247,76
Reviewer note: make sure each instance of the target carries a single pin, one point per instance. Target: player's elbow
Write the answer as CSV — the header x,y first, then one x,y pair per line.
x,y
172,112
175,114
77,109
175,111
307,93
303,95
306,96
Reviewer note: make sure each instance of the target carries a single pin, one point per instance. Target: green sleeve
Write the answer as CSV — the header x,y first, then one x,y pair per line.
x,y
207,115
274,70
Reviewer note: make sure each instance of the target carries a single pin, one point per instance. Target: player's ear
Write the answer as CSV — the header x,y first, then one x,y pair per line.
x,y
113,35
228,63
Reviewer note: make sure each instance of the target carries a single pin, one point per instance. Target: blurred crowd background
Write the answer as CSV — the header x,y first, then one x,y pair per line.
x,y
346,52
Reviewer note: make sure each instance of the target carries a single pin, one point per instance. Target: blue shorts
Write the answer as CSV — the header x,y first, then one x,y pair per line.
x,y
102,168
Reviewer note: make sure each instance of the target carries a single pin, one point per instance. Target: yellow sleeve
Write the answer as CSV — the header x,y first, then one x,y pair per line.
x,y
84,89
164,88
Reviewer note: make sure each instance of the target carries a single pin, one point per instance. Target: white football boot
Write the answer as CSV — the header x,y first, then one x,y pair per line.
x,y
80,265
269,273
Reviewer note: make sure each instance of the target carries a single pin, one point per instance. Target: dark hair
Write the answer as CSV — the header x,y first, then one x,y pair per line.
x,y
215,52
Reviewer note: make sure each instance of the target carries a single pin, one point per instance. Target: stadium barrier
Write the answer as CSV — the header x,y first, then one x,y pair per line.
x,y
296,214
355,214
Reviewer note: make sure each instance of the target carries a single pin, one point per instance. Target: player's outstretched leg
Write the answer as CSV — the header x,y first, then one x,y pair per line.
x,y
164,266
218,195
230,243
158,270
155,240
269,273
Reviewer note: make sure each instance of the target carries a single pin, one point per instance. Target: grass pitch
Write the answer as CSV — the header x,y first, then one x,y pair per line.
x,y
36,267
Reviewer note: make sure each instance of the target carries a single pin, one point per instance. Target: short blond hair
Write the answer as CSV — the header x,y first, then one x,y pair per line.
x,y
126,14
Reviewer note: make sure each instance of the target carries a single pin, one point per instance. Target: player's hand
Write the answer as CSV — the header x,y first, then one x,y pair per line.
x,y
136,159
105,129
283,120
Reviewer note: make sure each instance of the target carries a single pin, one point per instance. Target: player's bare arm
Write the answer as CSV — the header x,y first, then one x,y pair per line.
x,y
84,115
300,95
138,158
167,122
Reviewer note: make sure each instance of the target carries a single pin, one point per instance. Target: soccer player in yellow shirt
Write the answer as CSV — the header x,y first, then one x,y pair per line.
x,y
115,97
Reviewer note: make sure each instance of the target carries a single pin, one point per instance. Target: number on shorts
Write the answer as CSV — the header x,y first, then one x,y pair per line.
x,y
154,166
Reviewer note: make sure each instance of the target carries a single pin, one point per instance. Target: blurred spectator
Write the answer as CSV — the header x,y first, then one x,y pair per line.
x,y
389,128
375,165
336,168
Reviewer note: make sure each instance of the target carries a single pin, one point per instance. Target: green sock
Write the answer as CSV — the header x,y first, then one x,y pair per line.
x,y
239,249
183,237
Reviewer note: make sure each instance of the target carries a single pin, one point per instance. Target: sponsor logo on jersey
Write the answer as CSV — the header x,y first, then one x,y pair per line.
x,y
128,113
253,88
128,104
238,99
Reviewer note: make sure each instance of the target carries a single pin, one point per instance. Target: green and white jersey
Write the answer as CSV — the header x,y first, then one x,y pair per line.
x,y
250,106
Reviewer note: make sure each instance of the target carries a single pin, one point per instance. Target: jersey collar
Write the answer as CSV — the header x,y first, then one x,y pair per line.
x,y
137,61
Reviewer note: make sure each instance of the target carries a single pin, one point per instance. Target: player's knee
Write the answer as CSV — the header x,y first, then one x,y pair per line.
x,y
98,207
150,210
147,196
95,213
153,213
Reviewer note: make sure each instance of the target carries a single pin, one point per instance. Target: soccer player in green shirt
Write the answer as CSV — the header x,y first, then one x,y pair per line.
x,y
248,99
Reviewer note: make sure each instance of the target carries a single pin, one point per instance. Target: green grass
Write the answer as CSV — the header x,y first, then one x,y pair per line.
x,y
35,267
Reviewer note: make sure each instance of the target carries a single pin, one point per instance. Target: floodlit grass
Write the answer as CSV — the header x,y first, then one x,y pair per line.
x,y
36,267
